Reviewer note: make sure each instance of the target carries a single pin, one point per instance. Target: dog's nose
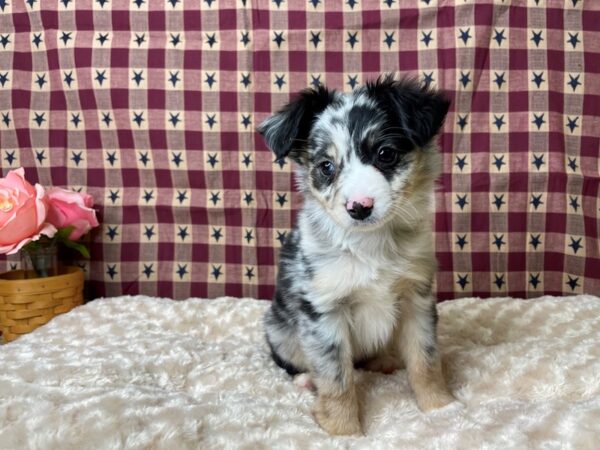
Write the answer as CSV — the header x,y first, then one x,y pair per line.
x,y
360,208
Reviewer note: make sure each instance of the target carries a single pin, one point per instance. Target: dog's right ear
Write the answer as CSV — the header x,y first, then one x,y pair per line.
x,y
286,132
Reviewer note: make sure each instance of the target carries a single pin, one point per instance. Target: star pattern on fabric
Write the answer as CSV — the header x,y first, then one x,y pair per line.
x,y
41,80
148,270
461,241
111,157
538,78
461,162
536,38
4,40
144,158
68,78
352,81
75,119
534,280
246,159
535,240
499,36
182,233
174,78
315,38
462,121
211,39
573,202
37,40
246,122
389,39
245,80
245,38
40,155
249,273
211,120
216,272
499,241
498,201
113,196
465,78
212,160
10,157
499,121
461,201
536,200
426,38
462,280
573,39
278,38
538,161
4,78
352,39
181,196
6,119
66,37
572,282
427,79
181,270
248,198
77,157
572,163
112,232
574,81
111,271
572,123
499,79
281,235
499,280
215,197
279,80
498,161
464,35
575,244
217,234
281,199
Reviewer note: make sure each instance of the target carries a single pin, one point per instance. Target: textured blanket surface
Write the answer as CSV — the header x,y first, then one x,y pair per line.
x,y
140,372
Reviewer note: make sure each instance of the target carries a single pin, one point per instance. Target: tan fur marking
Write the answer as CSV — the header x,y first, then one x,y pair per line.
x,y
424,372
338,413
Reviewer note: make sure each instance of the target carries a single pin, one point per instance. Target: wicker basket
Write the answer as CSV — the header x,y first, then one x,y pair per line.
x,y
27,303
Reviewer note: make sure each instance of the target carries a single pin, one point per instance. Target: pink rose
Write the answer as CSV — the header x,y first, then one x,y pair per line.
x,y
23,211
71,209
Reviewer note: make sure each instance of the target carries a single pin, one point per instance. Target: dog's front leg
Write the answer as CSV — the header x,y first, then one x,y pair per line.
x,y
418,346
328,349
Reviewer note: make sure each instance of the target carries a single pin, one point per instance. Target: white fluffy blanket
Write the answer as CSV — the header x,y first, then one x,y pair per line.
x,y
139,372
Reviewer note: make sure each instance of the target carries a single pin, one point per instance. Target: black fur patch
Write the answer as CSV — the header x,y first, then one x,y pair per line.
x,y
307,308
286,133
285,365
419,111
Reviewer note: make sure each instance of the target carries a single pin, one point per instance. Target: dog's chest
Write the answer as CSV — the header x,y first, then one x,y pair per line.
x,y
363,292
372,315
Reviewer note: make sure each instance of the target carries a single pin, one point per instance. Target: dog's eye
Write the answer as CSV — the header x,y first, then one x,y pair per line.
x,y
387,156
327,168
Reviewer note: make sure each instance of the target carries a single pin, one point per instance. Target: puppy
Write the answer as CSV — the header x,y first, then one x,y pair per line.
x,y
356,273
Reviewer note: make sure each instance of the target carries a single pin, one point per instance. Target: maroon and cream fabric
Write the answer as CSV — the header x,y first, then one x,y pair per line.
x,y
151,105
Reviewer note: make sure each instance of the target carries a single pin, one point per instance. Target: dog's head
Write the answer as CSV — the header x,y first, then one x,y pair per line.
x,y
363,156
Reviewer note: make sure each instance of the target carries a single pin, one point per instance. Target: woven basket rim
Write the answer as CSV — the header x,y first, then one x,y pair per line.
x,y
14,276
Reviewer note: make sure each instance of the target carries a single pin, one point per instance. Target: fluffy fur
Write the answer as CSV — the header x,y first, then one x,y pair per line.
x,y
355,274
148,373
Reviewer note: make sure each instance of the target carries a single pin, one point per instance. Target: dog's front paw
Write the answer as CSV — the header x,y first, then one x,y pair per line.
x,y
435,400
338,415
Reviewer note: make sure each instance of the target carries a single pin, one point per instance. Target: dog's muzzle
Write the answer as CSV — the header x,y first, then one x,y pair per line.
x,y
360,209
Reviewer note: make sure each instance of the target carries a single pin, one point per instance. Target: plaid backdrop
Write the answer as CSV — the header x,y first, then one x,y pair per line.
x,y
151,105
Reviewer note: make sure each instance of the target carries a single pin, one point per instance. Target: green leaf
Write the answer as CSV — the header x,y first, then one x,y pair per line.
x,y
77,246
63,233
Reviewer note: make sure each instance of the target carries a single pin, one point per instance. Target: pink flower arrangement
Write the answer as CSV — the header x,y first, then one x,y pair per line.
x,y
30,214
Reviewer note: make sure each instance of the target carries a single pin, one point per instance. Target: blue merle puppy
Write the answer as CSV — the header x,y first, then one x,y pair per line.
x,y
356,273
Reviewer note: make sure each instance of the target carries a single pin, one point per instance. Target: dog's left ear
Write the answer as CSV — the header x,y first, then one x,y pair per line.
x,y
286,132
420,110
